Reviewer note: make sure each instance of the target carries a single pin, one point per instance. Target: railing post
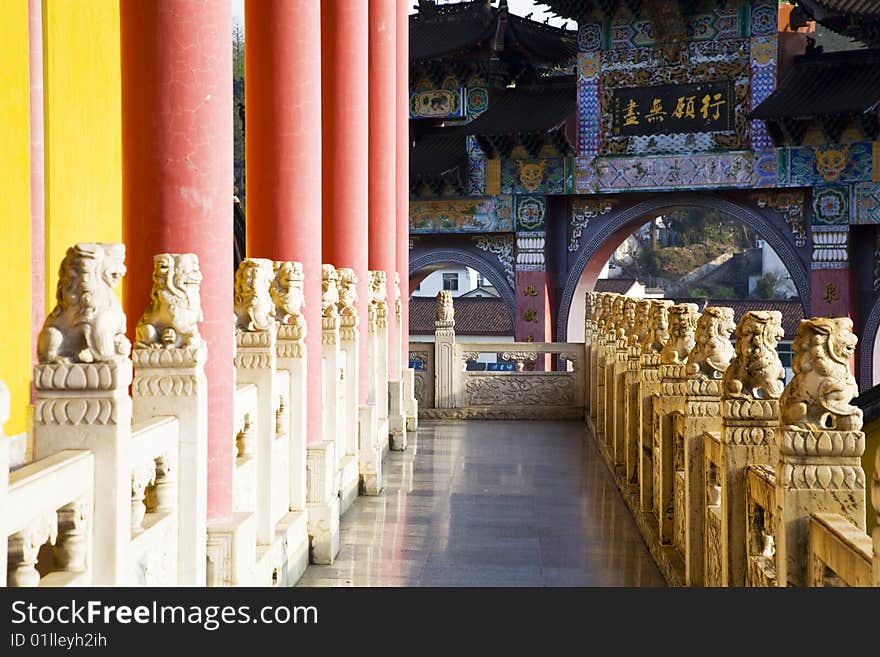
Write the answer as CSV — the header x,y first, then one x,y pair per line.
x,y
291,356
370,422
255,362
589,329
619,390
82,397
673,388
447,369
598,365
820,444
649,388
322,489
706,364
349,409
397,420
632,404
615,328
875,499
169,379
750,420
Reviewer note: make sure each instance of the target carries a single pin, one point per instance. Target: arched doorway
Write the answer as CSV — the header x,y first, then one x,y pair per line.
x,y
602,236
427,260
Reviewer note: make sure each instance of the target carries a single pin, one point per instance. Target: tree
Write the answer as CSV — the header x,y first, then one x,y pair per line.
x,y
237,107
765,288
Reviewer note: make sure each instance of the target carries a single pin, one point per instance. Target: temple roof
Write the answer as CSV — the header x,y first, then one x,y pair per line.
x,y
438,159
858,19
578,9
473,316
441,31
531,114
846,82
792,310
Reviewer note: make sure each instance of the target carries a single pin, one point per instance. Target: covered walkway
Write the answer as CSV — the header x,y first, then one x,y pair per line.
x,y
492,504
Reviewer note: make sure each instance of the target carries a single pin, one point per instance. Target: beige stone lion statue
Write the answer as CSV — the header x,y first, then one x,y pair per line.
x,y
171,319
445,308
658,327
329,291
87,324
254,310
756,370
286,291
819,394
348,293
378,286
682,325
640,323
712,350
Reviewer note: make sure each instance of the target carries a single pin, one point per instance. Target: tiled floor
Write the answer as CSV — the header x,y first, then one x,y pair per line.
x,y
492,504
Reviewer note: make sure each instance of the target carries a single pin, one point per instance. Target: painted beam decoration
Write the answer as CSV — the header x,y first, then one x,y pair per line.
x,y
673,109
467,215
438,104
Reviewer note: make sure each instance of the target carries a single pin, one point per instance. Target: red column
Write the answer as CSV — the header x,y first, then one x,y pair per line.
x,y
344,93
402,165
177,181
38,200
283,101
383,136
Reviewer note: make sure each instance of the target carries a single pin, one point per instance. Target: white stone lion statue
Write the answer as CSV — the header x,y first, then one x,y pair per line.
x,y
819,395
87,324
287,292
254,310
682,324
712,350
756,370
329,291
348,293
378,286
640,323
171,319
445,308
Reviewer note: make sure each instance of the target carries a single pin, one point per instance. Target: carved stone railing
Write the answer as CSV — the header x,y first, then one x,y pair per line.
x,y
421,360
153,456
733,477
760,526
245,415
840,553
523,393
50,501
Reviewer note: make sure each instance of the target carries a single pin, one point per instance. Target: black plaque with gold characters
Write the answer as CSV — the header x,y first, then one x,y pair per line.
x,y
674,108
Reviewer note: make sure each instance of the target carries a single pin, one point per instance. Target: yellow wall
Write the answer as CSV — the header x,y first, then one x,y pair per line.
x,y
83,127
15,223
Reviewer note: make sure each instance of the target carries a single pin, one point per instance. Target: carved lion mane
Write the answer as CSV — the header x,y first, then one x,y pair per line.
x,y
819,395
87,323
286,291
171,319
712,350
756,370
253,305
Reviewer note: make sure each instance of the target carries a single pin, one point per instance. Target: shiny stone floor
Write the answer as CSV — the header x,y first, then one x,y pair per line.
x,y
492,504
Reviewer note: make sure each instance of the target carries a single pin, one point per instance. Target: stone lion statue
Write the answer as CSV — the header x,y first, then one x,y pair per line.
x,y
756,370
378,286
348,293
445,308
286,291
254,310
682,324
171,319
640,323
329,291
712,350
819,394
87,324
658,327
628,318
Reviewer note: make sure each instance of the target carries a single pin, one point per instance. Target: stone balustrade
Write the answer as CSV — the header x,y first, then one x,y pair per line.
x,y
118,481
734,477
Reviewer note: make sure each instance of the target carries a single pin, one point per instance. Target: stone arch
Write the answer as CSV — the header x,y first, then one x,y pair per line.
x,y
605,233
869,349
430,259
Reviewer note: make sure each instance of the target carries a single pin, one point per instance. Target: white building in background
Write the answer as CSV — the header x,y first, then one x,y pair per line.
x,y
461,281
772,264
